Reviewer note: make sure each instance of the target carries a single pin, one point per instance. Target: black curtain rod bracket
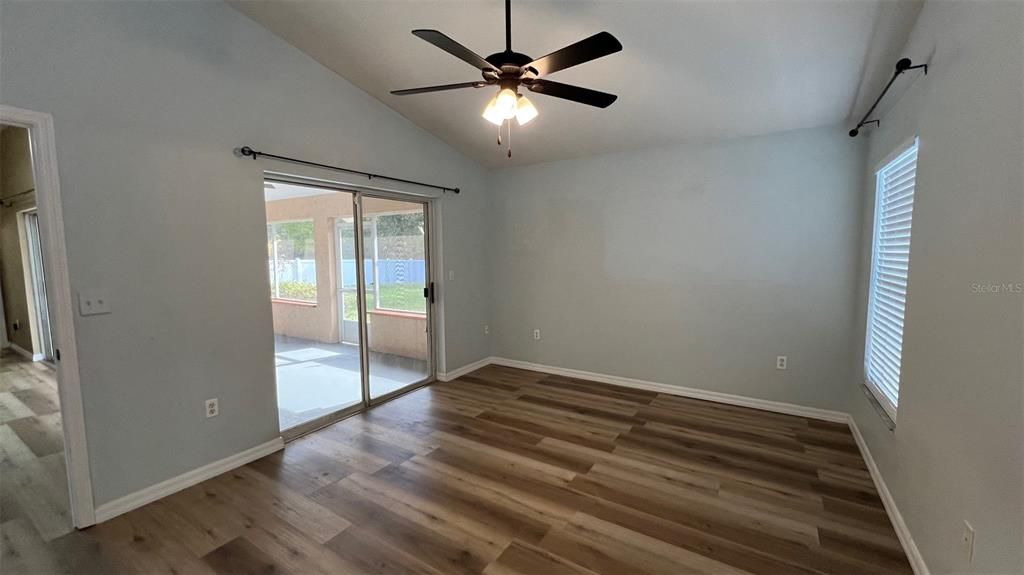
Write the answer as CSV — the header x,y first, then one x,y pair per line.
x,y
246,151
903,65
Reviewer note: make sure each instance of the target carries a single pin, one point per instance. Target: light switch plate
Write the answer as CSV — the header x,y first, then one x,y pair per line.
x,y
93,302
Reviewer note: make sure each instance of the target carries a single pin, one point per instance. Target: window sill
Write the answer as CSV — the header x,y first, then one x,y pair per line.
x,y
397,313
886,420
296,302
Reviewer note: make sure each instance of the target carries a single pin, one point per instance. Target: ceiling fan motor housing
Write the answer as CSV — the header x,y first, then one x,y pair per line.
x,y
513,66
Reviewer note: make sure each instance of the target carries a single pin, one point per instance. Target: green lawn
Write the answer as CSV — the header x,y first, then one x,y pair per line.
x,y
394,296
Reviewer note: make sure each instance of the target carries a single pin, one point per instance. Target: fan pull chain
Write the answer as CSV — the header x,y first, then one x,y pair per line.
x,y
499,136
510,138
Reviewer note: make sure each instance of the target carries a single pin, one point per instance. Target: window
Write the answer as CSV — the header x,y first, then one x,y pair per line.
x,y
890,262
400,261
292,263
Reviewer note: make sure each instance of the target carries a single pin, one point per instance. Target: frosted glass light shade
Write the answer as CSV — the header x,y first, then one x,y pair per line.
x,y
506,103
491,113
525,110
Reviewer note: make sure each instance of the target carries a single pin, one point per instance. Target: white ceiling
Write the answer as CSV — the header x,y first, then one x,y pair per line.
x,y
689,71
281,191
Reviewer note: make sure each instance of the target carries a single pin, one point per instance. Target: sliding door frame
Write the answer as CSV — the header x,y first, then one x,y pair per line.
x,y
35,282
357,193
428,266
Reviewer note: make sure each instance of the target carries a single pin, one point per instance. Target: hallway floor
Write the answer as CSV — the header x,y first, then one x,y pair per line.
x,y
34,487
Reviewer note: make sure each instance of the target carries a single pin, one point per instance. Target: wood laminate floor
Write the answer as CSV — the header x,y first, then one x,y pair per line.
x,y
33,479
510,471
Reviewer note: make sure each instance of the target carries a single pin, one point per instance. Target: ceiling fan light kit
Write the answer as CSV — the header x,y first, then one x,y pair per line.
x,y
509,70
507,105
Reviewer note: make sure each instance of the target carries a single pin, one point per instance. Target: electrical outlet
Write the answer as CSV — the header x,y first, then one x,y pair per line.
x,y
781,362
968,541
536,334
487,329
451,275
212,408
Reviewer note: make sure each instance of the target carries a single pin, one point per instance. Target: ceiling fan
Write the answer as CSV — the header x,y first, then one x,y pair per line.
x,y
509,70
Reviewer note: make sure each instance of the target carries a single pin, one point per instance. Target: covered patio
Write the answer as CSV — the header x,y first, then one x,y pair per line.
x,y
315,378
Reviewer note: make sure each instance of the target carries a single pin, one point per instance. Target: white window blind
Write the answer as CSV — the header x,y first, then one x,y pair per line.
x,y
890,263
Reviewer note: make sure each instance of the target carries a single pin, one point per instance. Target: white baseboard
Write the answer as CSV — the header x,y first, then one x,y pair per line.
x,y
461,371
727,398
25,353
121,505
21,351
900,526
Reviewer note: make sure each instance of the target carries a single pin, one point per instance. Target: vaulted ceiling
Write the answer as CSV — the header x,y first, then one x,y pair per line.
x,y
689,71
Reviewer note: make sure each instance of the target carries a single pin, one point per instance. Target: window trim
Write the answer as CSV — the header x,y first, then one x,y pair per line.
x,y
887,405
297,302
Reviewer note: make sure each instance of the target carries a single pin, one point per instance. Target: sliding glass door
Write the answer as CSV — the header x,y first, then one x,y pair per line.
x,y
319,374
397,287
38,277
351,303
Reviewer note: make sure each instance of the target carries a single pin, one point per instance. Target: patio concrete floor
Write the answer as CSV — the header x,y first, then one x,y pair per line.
x,y
314,379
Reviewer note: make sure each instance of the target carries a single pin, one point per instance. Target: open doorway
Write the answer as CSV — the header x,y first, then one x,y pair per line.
x,y
346,334
34,489
22,279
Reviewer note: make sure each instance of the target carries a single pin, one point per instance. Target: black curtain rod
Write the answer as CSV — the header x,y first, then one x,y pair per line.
x,y
254,154
902,66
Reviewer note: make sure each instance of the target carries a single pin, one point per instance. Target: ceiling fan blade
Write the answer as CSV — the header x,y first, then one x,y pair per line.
x,y
440,88
574,93
455,49
592,48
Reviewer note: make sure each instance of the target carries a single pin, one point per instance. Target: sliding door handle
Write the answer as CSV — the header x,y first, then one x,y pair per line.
x,y
428,292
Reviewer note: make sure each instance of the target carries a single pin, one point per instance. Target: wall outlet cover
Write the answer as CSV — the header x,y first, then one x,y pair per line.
x,y
968,541
93,302
781,362
212,407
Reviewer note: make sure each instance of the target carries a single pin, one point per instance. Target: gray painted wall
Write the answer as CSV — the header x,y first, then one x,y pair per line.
x,y
149,99
689,265
956,452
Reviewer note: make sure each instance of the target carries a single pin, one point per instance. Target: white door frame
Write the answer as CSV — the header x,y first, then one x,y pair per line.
x,y
59,297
